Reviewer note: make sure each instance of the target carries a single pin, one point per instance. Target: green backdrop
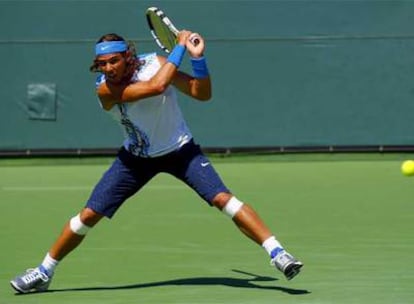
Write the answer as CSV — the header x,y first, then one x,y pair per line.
x,y
285,73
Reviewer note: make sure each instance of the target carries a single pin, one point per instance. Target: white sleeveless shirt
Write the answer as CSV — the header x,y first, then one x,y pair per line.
x,y
152,126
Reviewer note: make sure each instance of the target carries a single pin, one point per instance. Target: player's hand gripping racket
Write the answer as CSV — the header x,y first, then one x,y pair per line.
x,y
163,30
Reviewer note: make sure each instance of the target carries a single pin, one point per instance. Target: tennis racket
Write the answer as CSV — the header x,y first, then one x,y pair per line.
x,y
162,29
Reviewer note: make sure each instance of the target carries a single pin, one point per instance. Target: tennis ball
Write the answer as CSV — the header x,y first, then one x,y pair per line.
x,y
407,168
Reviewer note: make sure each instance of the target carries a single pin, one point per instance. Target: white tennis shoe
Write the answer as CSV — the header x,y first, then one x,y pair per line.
x,y
287,264
34,280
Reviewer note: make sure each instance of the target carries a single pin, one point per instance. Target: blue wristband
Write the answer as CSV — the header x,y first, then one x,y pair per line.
x,y
199,66
177,55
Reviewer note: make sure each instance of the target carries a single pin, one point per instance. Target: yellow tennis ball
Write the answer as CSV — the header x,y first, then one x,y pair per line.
x,y
407,168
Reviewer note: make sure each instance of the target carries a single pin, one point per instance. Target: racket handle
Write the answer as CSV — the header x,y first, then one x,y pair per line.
x,y
195,41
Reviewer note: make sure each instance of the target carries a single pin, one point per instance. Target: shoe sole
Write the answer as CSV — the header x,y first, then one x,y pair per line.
x,y
19,290
292,270
15,287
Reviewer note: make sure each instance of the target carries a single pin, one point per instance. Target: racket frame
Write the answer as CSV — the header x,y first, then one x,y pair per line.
x,y
164,19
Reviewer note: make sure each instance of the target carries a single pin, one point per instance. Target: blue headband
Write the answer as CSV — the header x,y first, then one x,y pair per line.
x,y
108,47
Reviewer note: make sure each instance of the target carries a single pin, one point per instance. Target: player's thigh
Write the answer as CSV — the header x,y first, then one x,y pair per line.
x,y
200,175
117,184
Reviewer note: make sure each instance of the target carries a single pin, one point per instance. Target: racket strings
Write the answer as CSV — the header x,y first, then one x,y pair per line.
x,y
165,38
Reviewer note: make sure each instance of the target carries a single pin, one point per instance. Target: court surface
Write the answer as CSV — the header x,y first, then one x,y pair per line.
x,y
350,219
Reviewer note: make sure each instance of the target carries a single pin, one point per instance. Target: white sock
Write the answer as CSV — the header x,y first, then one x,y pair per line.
x,y
49,264
272,246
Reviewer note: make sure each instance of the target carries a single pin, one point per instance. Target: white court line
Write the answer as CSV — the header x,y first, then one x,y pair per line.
x,y
44,188
80,188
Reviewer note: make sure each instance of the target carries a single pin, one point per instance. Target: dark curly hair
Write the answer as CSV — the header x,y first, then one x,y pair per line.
x,y
130,53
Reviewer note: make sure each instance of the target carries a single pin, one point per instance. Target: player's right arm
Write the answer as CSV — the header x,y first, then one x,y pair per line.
x,y
113,93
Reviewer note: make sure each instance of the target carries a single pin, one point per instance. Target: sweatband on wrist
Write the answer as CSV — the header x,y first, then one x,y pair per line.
x,y
177,54
199,66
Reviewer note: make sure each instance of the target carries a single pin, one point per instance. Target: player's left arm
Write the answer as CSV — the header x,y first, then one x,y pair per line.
x,y
197,85
198,88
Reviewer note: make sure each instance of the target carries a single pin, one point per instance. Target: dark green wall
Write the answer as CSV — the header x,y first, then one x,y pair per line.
x,y
285,73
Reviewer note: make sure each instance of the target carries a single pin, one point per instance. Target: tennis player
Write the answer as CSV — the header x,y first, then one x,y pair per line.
x,y
140,93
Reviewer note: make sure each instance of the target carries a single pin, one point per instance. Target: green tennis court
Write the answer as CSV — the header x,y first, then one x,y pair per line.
x,y
350,219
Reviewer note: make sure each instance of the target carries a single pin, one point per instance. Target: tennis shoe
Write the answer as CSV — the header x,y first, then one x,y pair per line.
x,y
34,280
287,264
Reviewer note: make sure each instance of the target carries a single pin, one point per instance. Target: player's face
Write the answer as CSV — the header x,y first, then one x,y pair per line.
x,y
113,66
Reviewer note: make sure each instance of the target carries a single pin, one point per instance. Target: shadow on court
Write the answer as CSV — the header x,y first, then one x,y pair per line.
x,y
199,281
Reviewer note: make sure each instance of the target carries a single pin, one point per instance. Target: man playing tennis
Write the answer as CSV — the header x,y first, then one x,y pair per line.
x,y
140,92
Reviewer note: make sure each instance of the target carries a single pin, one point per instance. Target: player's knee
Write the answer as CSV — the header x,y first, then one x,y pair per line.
x,y
77,226
221,199
232,207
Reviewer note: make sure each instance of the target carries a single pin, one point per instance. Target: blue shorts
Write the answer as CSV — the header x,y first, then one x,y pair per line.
x,y
129,173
